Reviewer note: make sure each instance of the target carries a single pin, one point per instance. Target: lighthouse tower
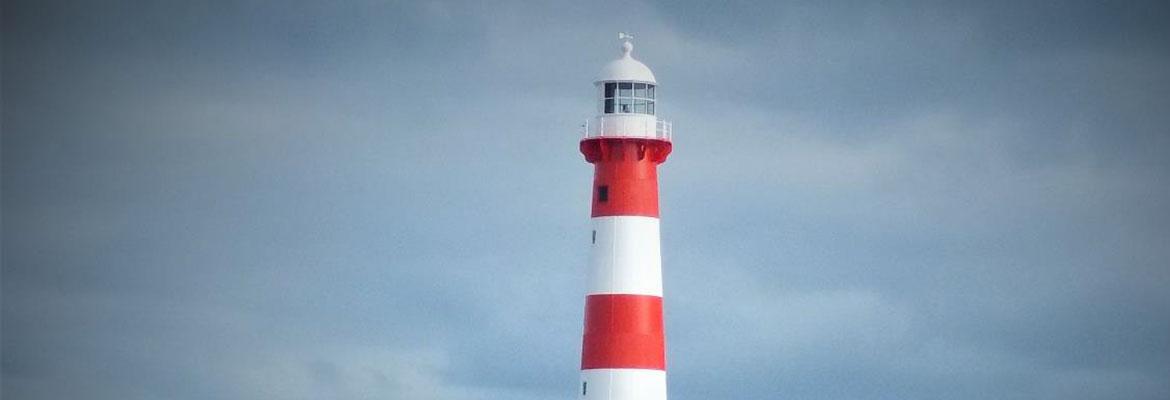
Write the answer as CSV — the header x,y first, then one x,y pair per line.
x,y
623,354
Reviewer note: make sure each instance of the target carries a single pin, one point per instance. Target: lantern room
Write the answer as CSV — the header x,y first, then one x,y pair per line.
x,y
626,99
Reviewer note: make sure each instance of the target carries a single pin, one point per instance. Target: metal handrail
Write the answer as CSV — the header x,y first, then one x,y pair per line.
x,y
663,129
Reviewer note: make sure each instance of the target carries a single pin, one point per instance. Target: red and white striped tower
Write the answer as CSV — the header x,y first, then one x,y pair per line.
x,y
623,354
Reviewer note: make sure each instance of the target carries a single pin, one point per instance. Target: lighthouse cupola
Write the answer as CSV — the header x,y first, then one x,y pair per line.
x,y
626,99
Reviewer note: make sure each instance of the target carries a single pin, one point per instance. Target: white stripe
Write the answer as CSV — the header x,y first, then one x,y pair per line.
x,y
622,384
625,257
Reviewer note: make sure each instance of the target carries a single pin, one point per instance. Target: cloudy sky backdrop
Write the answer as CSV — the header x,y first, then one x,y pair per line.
x,y
384,200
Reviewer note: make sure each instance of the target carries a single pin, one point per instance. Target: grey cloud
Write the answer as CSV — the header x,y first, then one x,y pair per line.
x,y
239,200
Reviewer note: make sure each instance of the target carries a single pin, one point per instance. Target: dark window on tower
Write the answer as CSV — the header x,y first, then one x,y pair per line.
x,y
584,388
609,89
594,236
603,193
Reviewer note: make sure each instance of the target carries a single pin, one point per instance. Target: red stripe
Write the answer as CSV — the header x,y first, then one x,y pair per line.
x,y
627,169
623,331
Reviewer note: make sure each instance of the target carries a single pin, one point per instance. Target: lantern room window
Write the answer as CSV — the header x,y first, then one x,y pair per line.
x,y
627,98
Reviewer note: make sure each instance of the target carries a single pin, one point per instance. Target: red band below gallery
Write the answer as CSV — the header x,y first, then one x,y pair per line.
x,y
625,177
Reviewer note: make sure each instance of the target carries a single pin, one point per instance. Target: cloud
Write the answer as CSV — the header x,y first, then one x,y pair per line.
x,y
385,200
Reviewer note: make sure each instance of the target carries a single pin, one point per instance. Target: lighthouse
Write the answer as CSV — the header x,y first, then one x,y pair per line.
x,y
623,355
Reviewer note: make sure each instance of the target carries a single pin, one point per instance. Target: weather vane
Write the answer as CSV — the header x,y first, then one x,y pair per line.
x,y
625,36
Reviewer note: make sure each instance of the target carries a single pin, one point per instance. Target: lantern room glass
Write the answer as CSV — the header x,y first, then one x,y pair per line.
x,y
627,98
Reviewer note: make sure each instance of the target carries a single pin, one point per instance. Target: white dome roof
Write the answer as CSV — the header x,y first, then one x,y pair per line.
x,y
626,68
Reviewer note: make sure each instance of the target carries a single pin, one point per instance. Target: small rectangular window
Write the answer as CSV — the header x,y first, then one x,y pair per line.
x,y
625,105
609,106
602,194
650,91
609,89
640,106
594,236
640,90
625,89
584,388
650,107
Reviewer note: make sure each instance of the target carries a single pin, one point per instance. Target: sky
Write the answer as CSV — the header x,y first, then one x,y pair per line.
x,y
385,200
